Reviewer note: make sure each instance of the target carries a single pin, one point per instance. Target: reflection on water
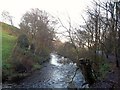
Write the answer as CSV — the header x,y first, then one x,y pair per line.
x,y
55,74
64,73
59,60
54,60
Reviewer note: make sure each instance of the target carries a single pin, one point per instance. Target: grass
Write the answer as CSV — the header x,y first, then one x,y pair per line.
x,y
10,60
8,43
7,27
104,68
36,66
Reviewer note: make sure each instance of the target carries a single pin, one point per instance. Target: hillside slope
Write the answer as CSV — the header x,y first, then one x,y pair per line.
x,y
9,37
17,59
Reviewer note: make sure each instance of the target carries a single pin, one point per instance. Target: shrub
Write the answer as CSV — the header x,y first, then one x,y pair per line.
x,y
20,68
22,60
23,41
32,48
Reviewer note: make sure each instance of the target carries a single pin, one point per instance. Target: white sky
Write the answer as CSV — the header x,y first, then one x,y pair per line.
x,y
18,7
60,8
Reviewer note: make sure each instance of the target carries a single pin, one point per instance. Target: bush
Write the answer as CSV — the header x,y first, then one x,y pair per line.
x,y
22,60
36,66
23,41
32,49
6,71
104,68
20,68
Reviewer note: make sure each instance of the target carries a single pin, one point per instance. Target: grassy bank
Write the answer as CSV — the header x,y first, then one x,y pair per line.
x,y
8,43
104,69
18,62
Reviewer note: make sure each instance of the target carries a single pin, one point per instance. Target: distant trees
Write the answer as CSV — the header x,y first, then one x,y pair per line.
x,y
34,43
7,17
101,31
98,37
67,50
105,23
37,25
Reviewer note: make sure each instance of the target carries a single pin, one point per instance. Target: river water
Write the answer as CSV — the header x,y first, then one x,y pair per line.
x,y
57,73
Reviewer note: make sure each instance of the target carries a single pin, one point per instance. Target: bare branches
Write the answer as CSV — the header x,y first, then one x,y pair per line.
x,y
7,17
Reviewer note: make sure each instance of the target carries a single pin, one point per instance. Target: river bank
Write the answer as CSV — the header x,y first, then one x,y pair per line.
x,y
53,74
112,78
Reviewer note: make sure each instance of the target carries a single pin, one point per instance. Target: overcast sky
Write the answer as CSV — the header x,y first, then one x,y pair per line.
x,y
55,7
60,8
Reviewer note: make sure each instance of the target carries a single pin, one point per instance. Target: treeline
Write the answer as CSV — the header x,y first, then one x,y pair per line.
x,y
98,38
33,45
37,26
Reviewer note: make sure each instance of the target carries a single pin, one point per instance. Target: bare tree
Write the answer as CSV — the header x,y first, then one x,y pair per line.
x,y
37,26
7,17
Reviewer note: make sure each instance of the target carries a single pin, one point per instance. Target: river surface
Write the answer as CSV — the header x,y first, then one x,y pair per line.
x,y
57,73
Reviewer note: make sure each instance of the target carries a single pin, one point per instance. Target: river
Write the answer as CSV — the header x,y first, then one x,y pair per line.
x,y
57,73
